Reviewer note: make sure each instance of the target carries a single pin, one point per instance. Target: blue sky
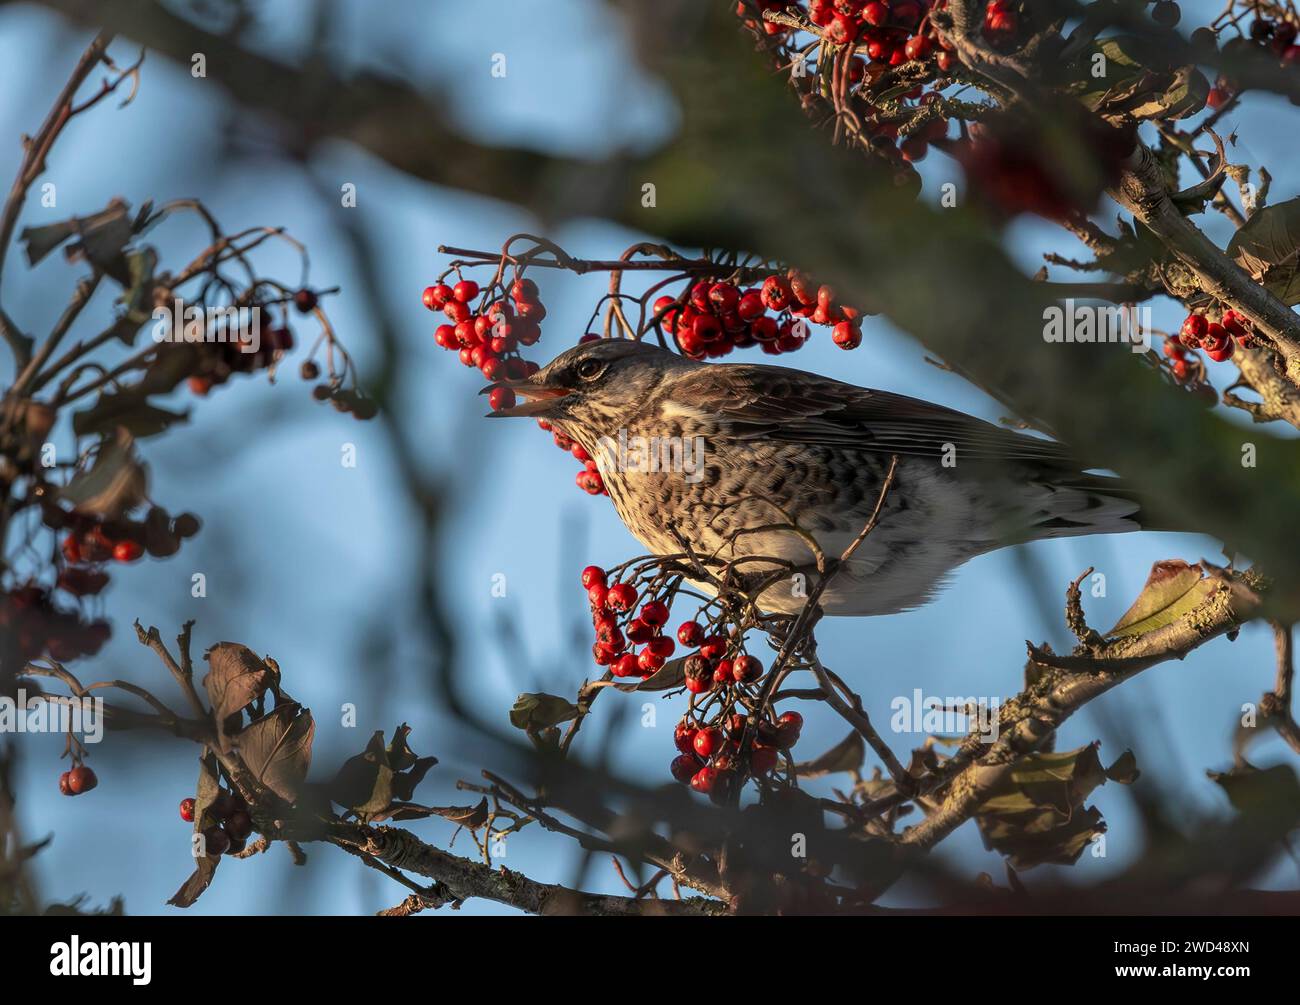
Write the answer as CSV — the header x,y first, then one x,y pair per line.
x,y
311,562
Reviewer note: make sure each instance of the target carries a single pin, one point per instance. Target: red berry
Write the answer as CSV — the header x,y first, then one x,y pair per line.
x,y
81,779
722,673
127,551
714,647
684,737
1220,352
876,14
501,398
917,47
655,613
708,742
187,810
436,297
698,685
846,335
64,787
762,759
662,645
625,666
621,597
704,780
684,767
523,289
1193,330
746,669
465,291
649,661
596,593
638,631
305,301
706,327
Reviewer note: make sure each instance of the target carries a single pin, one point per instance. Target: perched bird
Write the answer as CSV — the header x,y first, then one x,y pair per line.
x,y
759,449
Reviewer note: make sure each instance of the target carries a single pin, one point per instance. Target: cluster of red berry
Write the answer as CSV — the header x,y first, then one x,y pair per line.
x,y
709,758
588,479
489,339
33,626
1277,38
717,668
219,361
893,31
1216,340
91,542
710,319
230,836
77,780
618,630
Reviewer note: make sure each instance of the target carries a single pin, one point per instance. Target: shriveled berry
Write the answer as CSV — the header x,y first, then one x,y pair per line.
x,y
305,300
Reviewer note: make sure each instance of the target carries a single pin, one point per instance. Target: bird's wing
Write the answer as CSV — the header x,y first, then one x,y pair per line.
x,y
770,402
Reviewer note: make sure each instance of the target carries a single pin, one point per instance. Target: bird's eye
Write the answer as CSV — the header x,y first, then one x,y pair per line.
x,y
590,369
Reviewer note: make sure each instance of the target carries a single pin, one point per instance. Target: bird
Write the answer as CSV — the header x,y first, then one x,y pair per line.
x,y
753,461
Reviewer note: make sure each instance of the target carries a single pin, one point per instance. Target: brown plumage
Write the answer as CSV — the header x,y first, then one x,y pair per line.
x,y
750,446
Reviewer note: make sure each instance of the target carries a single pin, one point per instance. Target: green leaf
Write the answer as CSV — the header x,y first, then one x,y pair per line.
x,y
537,711
1135,84
1172,589
1268,248
1036,814
277,748
847,755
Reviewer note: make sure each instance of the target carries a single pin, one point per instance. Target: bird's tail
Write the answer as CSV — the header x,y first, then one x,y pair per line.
x,y
1094,504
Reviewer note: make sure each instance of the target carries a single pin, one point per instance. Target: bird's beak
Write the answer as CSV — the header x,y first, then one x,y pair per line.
x,y
539,397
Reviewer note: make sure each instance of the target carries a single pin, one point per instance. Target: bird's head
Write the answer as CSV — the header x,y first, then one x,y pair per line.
x,y
595,386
